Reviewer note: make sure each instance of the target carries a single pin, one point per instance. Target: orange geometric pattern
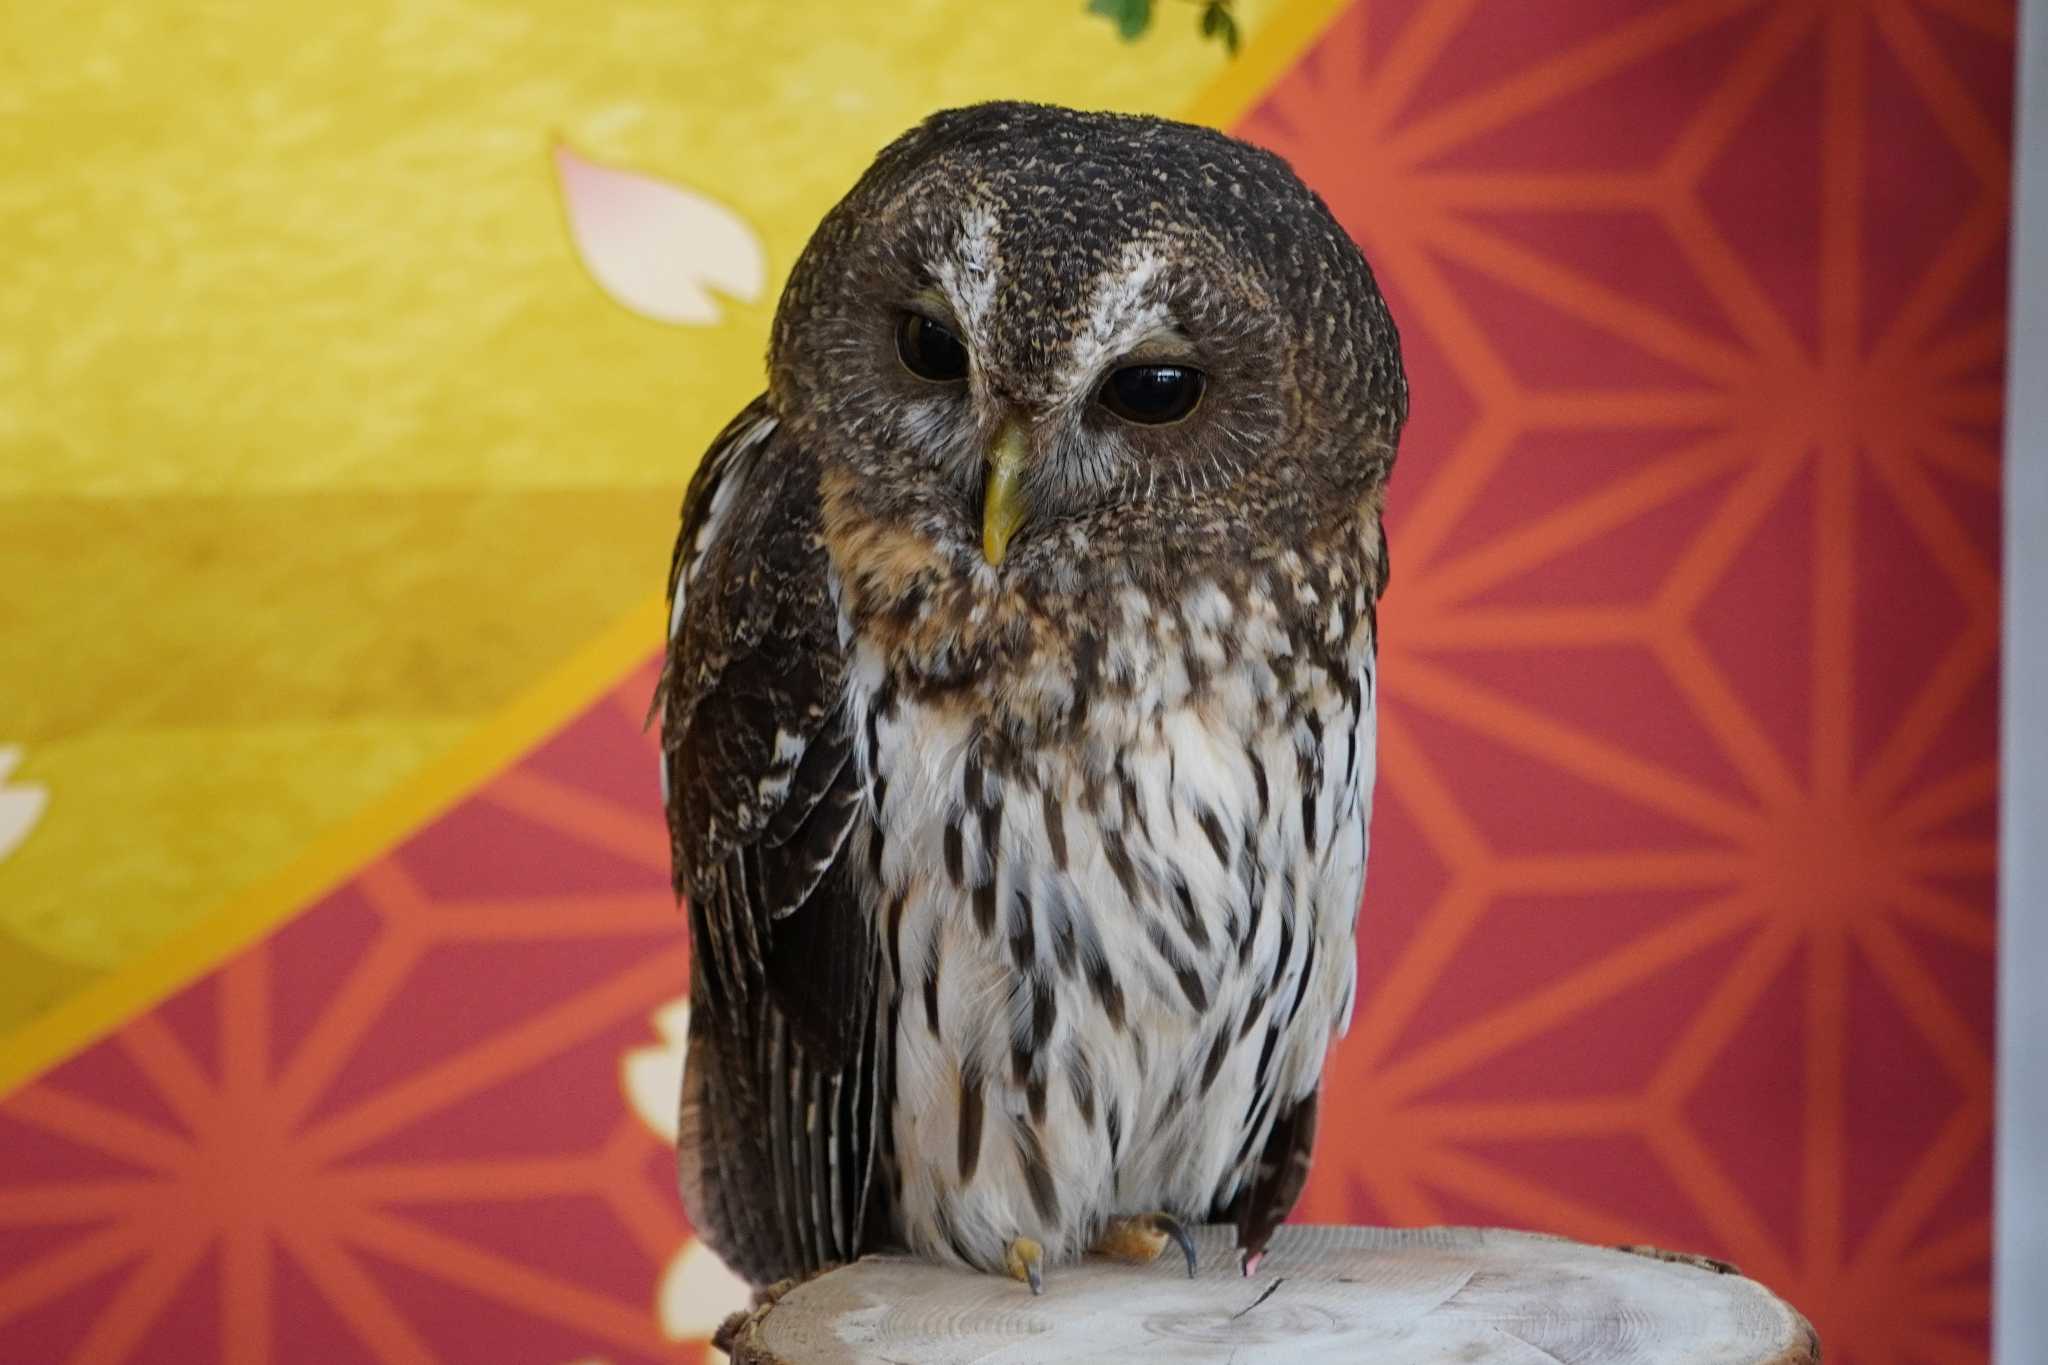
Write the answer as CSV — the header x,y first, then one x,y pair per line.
x,y
1679,924
1679,919
393,1132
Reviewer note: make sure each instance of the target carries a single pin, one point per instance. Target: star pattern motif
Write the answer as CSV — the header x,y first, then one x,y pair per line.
x,y
395,1131
1679,923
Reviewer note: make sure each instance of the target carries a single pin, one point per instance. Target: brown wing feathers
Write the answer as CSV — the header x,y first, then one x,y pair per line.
x,y
780,1091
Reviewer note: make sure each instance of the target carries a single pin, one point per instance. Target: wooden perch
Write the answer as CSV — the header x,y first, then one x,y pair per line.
x,y
1389,1296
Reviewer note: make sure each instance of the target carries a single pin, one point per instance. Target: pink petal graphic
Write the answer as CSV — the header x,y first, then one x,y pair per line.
x,y
652,1077
697,1293
657,248
21,803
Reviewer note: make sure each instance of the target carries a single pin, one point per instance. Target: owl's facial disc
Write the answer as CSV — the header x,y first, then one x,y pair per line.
x,y
1004,503
1048,348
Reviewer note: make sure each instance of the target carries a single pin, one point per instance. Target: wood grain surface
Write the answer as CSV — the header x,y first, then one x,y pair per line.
x,y
1323,1294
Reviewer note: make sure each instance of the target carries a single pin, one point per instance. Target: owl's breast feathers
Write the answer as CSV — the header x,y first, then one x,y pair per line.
x,y
1092,639
1016,901
1115,848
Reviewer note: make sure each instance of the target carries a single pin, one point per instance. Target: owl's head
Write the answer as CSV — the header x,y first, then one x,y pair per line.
x,y
1032,337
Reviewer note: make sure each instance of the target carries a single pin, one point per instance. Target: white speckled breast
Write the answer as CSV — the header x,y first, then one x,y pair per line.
x,y
1113,948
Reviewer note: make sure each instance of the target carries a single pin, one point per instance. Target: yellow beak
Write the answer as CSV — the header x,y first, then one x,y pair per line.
x,y
1003,504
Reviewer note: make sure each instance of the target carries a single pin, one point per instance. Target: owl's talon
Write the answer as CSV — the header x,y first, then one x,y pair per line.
x,y
1023,1261
1173,1228
1142,1237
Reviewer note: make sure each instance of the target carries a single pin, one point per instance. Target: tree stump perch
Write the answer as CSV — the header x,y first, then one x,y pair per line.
x,y
1386,1295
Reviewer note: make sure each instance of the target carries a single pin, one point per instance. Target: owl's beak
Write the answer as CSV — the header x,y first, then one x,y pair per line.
x,y
1003,503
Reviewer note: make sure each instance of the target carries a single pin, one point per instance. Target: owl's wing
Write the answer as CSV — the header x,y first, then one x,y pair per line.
x,y
1276,1182
780,1084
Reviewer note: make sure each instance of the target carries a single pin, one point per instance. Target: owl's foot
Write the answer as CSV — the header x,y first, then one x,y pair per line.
x,y
1023,1260
1141,1238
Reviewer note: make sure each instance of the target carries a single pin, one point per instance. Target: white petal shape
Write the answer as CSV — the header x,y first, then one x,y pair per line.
x,y
652,1077
21,804
697,1293
658,248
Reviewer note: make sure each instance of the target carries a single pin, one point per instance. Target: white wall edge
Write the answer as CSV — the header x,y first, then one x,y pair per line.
x,y
2020,1304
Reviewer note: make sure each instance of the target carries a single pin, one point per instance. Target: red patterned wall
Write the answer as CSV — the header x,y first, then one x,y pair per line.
x,y
1679,921
1679,925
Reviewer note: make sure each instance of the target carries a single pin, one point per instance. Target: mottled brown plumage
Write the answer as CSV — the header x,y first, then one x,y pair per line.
x,y
1019,739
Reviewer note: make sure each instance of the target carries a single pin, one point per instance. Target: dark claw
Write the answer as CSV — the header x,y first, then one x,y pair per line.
x,y
1171,1226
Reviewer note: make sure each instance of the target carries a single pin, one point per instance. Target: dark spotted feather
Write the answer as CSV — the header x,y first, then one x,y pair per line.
x,y
1276,1182
780,1094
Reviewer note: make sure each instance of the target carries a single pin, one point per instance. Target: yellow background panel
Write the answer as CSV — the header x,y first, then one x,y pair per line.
x,y
317,443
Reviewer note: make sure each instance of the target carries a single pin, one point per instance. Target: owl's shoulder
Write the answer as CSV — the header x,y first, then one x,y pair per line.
x,y
754,661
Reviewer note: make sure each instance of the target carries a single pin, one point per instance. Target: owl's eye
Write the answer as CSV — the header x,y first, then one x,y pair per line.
x,y
1152,395
928,350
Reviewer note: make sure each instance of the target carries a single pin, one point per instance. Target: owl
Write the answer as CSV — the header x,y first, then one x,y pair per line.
x,y
1018,709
